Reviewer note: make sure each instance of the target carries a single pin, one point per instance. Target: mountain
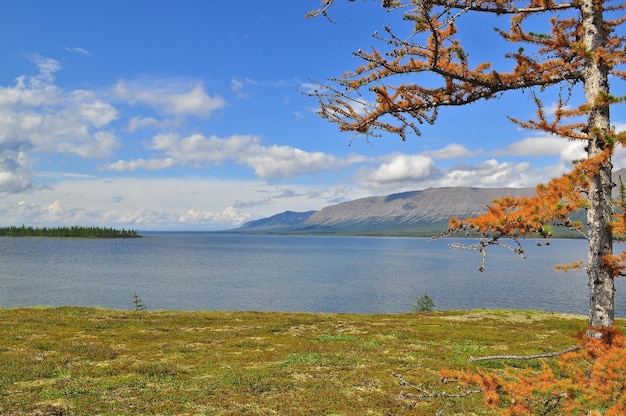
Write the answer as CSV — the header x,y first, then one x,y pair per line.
x,y
415,213
279,222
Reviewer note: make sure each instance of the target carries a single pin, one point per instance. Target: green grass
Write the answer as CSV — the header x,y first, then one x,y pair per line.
x,y
84,361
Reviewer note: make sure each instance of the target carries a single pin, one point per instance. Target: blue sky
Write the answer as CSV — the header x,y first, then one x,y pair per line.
x,y
189,115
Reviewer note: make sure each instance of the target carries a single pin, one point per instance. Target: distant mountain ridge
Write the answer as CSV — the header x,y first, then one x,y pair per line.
x,y
284,220
409,212
417,213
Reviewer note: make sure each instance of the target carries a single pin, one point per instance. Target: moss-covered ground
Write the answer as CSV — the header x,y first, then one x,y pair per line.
x,y
89,361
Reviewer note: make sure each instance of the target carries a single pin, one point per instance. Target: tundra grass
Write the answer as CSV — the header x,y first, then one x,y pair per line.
x,y
86,361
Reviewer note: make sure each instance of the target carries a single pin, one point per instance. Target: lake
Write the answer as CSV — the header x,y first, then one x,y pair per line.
x,y
221,271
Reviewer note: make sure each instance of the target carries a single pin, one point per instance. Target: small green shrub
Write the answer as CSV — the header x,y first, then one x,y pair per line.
x,y
139,306
423,304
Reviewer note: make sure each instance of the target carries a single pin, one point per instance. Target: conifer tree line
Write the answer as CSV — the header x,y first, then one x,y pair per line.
x,y
73,231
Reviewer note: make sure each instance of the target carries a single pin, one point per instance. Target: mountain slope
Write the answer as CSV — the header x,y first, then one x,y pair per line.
x,y
429,205
285,221
423,213
418,212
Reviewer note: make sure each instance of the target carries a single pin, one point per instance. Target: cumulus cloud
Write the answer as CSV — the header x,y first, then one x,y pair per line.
x,y
535,146
138,123
491,174
269,162
573,151
172,99
402,168
451,151
15,172
277,162
198,149
92,110
410,172
36,116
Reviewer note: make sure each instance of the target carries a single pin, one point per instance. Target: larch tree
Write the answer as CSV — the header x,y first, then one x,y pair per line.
x,y
580,53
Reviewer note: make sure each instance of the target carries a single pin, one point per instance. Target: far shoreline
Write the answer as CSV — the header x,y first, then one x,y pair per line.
x,y
89,232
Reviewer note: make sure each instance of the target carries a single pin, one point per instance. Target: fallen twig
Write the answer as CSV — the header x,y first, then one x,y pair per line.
x,y
424,394
523,357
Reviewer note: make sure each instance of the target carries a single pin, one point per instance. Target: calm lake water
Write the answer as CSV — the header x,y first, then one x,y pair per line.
x,y
288,273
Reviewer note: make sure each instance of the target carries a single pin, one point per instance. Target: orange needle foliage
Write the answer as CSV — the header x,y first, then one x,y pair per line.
x,y
590,381
553,202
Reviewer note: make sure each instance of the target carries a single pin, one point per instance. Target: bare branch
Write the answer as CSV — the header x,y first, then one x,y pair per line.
x,y
482,245
322,11
424,394
524,357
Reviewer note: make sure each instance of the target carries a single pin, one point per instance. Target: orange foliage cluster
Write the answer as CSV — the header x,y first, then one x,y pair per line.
x,y
554,202
589,381
616,263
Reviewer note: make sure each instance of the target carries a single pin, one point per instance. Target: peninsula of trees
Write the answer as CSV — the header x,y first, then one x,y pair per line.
x,y
74,232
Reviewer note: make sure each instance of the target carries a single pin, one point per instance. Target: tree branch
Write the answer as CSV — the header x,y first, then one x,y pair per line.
x,y
424,394
322,11
524,357
482,245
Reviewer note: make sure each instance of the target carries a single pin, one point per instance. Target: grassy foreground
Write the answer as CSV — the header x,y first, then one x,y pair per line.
x,y
85,361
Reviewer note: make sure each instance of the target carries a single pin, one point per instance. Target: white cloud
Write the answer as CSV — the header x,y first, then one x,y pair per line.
x,y
573,151
535,146
15,172
198,149
79,51
148,164
170,97
279,162
47,68
489,174
91,109
407,173
100,144
451,151
402,169
138,123
34,91
37,116
164,141
269,162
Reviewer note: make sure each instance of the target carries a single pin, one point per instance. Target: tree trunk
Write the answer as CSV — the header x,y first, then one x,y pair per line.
x,y
599,214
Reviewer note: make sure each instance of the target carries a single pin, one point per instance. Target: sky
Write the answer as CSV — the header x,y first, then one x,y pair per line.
x,y
193,115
